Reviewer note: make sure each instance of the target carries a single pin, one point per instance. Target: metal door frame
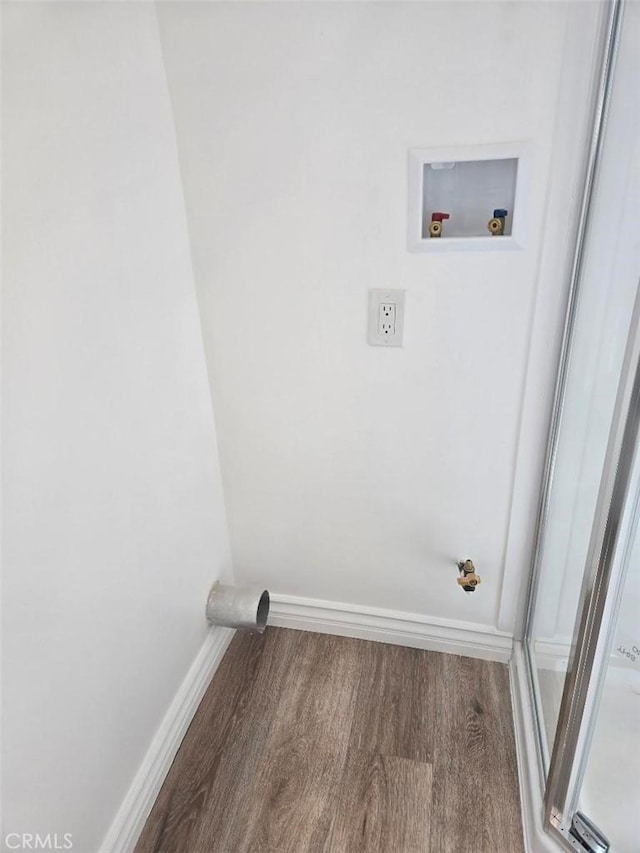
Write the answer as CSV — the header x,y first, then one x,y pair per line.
x,y
615,511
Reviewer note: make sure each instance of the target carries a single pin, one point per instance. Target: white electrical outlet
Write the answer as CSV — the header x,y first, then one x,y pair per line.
x,y
386,318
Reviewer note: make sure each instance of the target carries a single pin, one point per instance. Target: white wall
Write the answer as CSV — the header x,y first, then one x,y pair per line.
x,y
114,522
353,473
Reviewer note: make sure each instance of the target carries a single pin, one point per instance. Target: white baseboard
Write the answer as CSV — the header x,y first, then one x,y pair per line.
x,y
529,771
554,655
130,818
391,626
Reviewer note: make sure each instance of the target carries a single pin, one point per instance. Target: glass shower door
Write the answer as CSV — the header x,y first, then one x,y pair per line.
x,y
611,782
582,639
599,326
599,692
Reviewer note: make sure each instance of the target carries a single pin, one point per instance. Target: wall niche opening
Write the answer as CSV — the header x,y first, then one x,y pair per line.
x,y
466,202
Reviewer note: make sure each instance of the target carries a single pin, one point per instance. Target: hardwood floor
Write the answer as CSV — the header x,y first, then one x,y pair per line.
x,y
308,742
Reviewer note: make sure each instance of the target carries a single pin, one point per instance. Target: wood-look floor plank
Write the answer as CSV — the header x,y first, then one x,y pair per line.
x,y
290,805
457,760
503,823
222,748
178,808
384,805
394,702
472,766
226,812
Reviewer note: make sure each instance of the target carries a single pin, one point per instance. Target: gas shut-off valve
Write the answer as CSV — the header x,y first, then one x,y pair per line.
x,y
468,579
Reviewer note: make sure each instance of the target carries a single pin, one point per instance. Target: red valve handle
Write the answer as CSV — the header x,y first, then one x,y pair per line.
x,y
438,217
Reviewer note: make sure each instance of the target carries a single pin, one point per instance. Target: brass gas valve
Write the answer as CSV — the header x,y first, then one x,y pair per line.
x,y
468,579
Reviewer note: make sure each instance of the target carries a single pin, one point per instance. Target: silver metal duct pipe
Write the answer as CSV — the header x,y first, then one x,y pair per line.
x,y
246,609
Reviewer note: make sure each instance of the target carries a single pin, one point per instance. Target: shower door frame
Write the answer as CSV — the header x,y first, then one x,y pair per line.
x,y
614,518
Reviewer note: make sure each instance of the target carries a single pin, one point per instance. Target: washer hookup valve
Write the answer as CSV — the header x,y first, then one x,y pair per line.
x,y
435,227
468,579
496,223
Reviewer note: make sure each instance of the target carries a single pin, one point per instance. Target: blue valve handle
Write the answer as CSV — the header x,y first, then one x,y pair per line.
x,y
500,213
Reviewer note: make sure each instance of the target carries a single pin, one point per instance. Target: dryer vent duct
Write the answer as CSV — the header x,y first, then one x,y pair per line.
x,y
246,609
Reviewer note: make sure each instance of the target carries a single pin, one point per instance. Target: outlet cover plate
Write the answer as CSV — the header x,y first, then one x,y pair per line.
x,y
386,318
